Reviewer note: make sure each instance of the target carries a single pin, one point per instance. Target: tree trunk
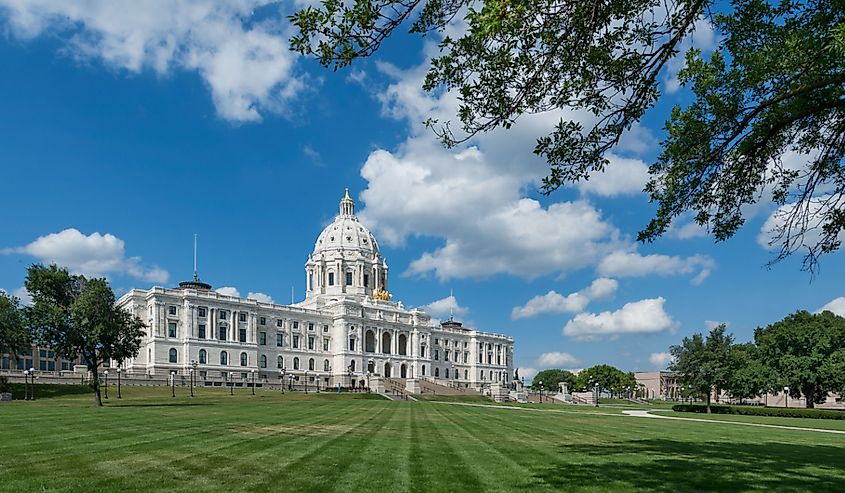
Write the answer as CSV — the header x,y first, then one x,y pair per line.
x,y
708,402
95,383
809,396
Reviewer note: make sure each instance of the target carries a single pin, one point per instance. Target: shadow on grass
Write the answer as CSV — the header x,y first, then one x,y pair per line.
x,y
667,465
47,391
157,404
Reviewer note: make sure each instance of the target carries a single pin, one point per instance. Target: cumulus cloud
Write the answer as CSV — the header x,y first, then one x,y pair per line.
x,y
552,302
638,317
443,307
836,305
557,359
527,373
633,264
712,324
260,297
660,360
243,57
229,291
93,255
812,214
622,176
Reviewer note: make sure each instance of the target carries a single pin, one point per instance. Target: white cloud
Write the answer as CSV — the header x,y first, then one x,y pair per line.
x,y
660,360
622,176
712,324
556,359
704,38
244,59
441,308
686,231
93,255
527,373
229,291
552,302
639,317
633,264
23,295
811,220
836,305
260,297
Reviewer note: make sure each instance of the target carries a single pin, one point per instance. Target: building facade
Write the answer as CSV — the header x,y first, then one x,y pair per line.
x,y
345,330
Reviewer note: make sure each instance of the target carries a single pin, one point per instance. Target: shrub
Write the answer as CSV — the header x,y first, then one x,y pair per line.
x,y
783,412
4,385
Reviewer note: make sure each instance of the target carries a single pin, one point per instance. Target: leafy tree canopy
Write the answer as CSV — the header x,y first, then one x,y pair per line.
x,y
552,378
608,378
703,364
805,352
14,337
77,317
774,84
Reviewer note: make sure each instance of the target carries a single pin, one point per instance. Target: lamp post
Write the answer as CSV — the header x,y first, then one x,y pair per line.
x,y
119,371
106,375
253,380
306,381
786,395
231,383
282,380
31,383
173,383
194,364
349,373
368,381
191,380
290,382
26,385
597,393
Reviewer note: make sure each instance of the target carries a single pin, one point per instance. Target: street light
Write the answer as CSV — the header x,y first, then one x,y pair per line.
x,y
26,385
786,394
368,381
282,380
32,383
106,374
119,371
231,383
253,380
349,373
194,364
173,383
290,382
597,393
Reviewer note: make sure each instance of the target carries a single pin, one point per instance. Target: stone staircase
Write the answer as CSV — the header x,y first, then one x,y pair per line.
x,y
428,387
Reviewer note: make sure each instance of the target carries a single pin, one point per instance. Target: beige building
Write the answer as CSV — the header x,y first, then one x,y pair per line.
x,y
658,385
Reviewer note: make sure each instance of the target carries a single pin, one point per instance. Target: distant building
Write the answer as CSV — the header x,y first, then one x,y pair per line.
x,y
658,384
346,327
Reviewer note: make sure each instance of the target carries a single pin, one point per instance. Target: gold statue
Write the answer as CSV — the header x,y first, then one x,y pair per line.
x,y
381,295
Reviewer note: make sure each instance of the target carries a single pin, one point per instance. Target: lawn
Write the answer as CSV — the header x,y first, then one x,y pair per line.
x,y
149,441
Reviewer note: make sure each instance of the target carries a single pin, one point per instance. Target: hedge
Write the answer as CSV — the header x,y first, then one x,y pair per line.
x,y
783,412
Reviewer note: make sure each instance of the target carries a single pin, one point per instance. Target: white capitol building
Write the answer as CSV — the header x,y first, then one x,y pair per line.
x,y
345,330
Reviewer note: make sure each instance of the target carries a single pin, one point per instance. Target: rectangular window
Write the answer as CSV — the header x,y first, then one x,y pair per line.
x,y
42,365
242,317
331,278
262,321
201,312
446,355
310,326
325,344
295,325
349,279
42,353
242,335
436,342
262,338
436,354
201,331
310,342
296,342
171,310
221,333
352,344
203,374
171,329
222,315
325,328
366,280
279,323
280,340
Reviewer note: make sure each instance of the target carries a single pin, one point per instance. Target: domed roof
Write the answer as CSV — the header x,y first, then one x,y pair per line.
x,y
346,233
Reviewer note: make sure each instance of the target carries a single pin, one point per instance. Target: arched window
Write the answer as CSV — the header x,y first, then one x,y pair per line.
x,y
173,355
310,363
352,365
385,343
244,359
296,363
280,362
325,365
437,372
263,361
403,344
447,373
203,356
224,358
349,278
370,341
466,374
423,370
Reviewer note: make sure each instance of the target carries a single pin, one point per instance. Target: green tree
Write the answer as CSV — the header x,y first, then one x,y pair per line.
x,y
774,84
76,316
703,364
748,377
806,352
14,336
608,378
552,378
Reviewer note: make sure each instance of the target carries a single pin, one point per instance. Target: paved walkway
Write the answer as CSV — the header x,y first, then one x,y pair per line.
x,y
638,413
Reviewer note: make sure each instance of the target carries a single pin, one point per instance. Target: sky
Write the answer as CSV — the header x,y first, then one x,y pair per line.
x,y
128,127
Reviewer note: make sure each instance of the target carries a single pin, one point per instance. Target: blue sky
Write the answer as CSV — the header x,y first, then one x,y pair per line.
x,y
126,129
